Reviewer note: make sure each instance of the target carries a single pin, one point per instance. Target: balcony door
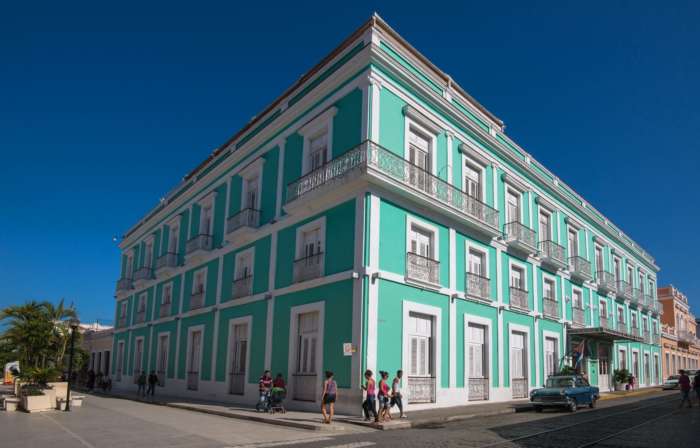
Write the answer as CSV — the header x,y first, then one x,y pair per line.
x,y
239,354
472,181
512,206
545,227
251,193
318,151
518,364
604,367
419,154
477,368
421,242
194,358
573,243
551,356
307,346
421,375
206,220
599,258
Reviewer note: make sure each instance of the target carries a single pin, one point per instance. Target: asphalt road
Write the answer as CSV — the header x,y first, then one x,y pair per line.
x,y
108,422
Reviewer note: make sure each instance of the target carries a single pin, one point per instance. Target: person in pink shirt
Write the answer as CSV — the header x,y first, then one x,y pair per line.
x,y
369,405
684,384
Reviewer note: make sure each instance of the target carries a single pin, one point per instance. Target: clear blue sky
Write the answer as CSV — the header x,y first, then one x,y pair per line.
x,y
103,108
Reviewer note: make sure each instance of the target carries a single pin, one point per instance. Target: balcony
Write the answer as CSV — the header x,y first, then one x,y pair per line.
x,y
121,322
520,238
580,269
649,301
621,327
124,284
140,317
164,310
369,163
199,245
552,255
637,297
308,267
246,220
166,263
197,300
143,275
518,299
685,336
624,290
551,308
242,287
606,282
478,287
578,317
605,323
422,269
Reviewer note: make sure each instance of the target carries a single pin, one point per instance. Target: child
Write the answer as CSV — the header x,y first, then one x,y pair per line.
x,y
330,391
279,382
396,397
384,395
369,404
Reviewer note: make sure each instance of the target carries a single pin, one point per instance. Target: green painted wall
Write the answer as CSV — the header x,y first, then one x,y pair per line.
x,y
210,290
347,123
169,327
260,270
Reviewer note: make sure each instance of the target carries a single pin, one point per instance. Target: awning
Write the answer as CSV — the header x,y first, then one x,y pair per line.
x,y
604,334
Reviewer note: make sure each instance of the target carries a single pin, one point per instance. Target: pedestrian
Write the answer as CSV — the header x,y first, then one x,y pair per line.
x,y
279,382
696,385
384,396
330,391
141,381
684,384
369,405
152,381
264,388
91,380
99,379
396,397
631,382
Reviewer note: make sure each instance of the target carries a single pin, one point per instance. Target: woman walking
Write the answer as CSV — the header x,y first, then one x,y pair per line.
x,y
330,391
369,406
383,394
396,397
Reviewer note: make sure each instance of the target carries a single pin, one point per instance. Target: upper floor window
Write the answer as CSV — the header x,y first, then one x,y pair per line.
x,y
548,289
148,255
603,309
641,281
199,282
310,242
130,265
630,274
477,262
651,287
173,238
244,264
545,224
252,185
517,277
599,258
620,314
167,294
473,178
512,205
577,299
141,307
318,136
634,320
616,266
573,243
122,309
318,151
421,241
206,219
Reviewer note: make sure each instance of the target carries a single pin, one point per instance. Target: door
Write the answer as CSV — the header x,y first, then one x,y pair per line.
x,y
472,181
518,364
477,367
545,225
162,368
512,207
419,156
635,367
239,354
251,197
551,357
421,378
120,360
138,359
194,360
306,375
573,243
318,151
604,368
647,372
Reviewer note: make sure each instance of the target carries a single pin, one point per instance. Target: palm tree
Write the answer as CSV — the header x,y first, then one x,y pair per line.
x,y
60,315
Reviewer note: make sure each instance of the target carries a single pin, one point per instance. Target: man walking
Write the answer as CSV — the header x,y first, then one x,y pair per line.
x,y
141,381
152,381
696,385
684,384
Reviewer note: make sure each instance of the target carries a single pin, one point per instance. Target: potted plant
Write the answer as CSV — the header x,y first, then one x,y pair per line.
x,y
621,377
35,393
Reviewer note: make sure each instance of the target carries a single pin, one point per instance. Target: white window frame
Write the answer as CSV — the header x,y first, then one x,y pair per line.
x,y
176,222
436,314
526,330
544,211
207,201
123,308
238,258
410,222
560,347
243,320
205,270
553,279
618,260
255,169
623,351
479,165
521,266
142,297
323,122
188,354
319,224
167,352
472,246
149,256
138,339
130,266
293,350
509,187
171,285
597,247
605,306
576,289
413,120
484,322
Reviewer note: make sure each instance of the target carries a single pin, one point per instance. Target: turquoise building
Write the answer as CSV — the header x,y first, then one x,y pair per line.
x,y
375,216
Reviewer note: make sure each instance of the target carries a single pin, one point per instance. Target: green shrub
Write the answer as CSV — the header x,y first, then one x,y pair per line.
x,y
40,376
31,390
621,376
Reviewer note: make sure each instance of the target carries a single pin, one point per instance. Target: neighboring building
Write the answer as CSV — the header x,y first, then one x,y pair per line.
x,y
97,342
376,216
680,344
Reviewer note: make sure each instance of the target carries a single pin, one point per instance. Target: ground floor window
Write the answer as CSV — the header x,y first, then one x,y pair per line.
x,y
550,356
477,352
306,375
421,375
194,360
518,364
239,354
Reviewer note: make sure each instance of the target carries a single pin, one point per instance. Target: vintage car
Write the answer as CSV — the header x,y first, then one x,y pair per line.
x,y
671,382
567,391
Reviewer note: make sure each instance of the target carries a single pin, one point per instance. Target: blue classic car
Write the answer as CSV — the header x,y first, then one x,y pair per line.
x,y
569,391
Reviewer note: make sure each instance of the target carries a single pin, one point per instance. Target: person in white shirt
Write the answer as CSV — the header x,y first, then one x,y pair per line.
x,y
396,397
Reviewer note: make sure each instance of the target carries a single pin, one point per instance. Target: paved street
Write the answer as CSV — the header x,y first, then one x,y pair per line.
x,y
108,422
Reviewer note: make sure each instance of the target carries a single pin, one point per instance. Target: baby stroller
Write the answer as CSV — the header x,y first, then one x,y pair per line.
x,y
276,397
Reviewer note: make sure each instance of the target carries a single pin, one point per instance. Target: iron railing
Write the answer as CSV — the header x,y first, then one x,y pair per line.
x,y
580,267
308,267
122,321
197,300
242,287
168,260
519,386
248,217
124,284
621,327
422,268
552,253
199,242
370,157
164,309
478,285
624,290
478,389
142,274
606,281
140,317
604,322
421,389
551,307
518,298
579,316
517,232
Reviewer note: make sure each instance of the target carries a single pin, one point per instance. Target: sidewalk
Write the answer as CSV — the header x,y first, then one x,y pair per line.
x,y
354,424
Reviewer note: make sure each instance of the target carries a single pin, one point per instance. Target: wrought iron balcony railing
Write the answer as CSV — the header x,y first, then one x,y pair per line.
x,y
143,274
122,321
624,290
197,300
551,307
606,282
637,297
165,261
519,299
164,310
579,316
552,254
605,323
369,158
140,316
478,286
422,269
308,267
242,286
246,218
621,327
124,284
200,242
580,268
520,236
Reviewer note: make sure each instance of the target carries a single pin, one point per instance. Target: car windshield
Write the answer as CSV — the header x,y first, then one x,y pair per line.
x,y
560,382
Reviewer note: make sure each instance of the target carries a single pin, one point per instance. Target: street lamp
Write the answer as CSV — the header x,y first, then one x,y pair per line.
x,y
73,323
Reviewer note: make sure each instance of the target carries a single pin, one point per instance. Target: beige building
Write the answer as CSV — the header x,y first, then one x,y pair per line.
x,y
679,342
97,341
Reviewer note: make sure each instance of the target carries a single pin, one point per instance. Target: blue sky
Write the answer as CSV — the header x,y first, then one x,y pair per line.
x,y
104,107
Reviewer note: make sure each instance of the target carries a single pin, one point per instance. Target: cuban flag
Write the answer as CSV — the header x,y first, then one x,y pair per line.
x,y
579,352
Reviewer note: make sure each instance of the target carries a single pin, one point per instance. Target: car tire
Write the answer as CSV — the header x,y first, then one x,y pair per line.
x,y
538,408
594,400
573,406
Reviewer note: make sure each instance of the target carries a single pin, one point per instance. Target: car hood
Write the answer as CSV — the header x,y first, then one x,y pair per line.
x,y
550,391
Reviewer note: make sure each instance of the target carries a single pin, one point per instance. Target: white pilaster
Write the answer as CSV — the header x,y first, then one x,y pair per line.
x,y
453,308
373,297
280,179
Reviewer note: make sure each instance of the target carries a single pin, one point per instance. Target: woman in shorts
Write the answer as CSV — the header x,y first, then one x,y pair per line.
x,y
330,391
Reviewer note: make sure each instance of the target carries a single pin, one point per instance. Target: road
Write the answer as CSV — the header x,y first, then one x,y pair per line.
x,y
108,422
